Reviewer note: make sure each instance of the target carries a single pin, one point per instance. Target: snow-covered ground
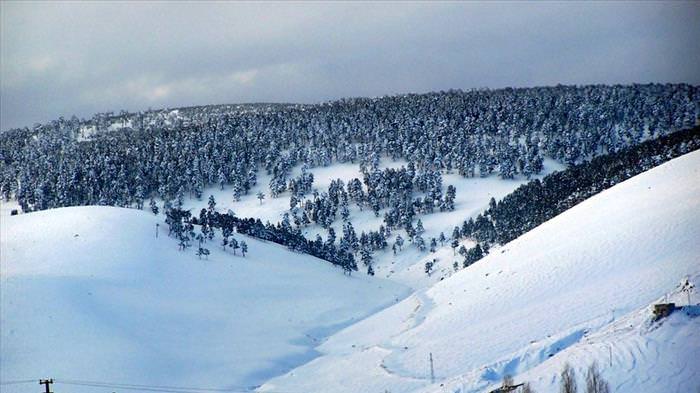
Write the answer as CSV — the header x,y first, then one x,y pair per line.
x,y
89,293
407,268
576,289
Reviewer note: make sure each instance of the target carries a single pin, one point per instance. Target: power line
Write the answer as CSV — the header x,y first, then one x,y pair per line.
x,y
139,387
155,388
16,382
149,388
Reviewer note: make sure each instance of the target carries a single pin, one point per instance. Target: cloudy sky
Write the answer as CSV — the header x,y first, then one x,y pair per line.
x,y
60,59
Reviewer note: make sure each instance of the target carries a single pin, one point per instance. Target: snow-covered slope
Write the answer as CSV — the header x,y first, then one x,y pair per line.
x,y
571,278
407,268
634,352
89,293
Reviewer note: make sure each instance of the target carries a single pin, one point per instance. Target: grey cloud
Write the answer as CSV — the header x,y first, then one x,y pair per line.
x,y
60,59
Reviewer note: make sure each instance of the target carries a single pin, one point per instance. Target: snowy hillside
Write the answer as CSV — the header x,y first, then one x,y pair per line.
x,y
89,293
407,267
585,274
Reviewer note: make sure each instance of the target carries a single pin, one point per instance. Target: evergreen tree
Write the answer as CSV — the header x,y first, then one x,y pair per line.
x,y
454,245
233,243
419,242
244,248
419,227
153,206
473,254
398,242
433,244
212,204
429,267
202,251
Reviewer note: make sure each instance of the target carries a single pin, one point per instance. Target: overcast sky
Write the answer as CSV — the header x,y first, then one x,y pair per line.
x,y
60,59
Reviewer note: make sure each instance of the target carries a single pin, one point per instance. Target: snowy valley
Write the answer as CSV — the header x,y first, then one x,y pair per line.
x,y
524,310
437,255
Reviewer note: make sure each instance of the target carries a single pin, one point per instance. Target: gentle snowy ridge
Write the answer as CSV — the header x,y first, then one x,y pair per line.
x,y
89,293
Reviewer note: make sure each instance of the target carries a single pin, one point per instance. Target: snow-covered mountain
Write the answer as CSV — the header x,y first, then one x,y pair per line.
x,y
89,293
576,289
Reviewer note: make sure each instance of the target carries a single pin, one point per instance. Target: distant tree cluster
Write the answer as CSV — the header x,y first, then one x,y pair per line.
x,y
595,383
182,227
127,158
394,189
539,201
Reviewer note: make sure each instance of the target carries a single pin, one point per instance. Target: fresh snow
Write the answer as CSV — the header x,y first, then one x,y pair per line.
x,y
577,288
407,268
115,304
88,293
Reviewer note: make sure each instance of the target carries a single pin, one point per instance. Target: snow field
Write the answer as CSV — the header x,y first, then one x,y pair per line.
x,y
538,295
89,293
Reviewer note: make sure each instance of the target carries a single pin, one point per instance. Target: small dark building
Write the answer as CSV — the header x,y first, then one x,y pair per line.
x,y
662,310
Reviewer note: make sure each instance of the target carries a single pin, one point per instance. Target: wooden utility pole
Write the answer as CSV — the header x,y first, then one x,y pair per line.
x,y
432,370
157,225
47,383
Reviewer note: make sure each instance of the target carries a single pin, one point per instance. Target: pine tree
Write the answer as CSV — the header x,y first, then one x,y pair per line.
x,y
221,178
212,204
462,251
455,233
366,255
450,198
233,243
472,255
398,242
244,248
442,238
419,242
154,206
261,196
419,227
429,267
202,251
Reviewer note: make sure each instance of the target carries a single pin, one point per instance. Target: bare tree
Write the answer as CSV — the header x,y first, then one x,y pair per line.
x,y
568,380
595,382
526,388
507,381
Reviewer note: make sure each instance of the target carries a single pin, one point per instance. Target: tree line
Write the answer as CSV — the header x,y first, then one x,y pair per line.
x,y
182,224
126,158
539,201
